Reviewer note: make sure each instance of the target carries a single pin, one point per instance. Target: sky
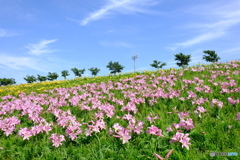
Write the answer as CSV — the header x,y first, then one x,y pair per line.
x,y
41,36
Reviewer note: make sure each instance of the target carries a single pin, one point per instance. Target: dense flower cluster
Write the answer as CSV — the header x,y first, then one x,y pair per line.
x,y
101,101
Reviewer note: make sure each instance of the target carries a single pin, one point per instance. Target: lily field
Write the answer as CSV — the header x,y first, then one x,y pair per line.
x,y
178,114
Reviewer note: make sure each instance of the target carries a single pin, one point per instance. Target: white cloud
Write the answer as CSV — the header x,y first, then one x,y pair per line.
x,y
214,23
201,38
123,6
111,31
171,48
41,47
219,25
117,44
19,63
231,51
235,49
5,33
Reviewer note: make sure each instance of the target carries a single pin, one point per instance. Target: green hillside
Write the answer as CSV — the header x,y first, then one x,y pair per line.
x,y
188,112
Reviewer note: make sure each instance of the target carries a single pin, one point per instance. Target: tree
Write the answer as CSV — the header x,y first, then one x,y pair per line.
x,y
183,59
81,71
158,64
52,76
78,72
94,71
75,71
41,78
134,58
7,81
30,79
65,73
114,67
210,56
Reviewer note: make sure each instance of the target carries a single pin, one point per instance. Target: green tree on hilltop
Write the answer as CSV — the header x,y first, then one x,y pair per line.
x,y
30,79
182,59
94,71
52,76
115,67
65,73
158,64
78,72
41,78
210,56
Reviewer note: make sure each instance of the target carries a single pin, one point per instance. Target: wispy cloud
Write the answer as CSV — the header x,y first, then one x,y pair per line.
x,y
117,44
35,63
111,31
231,51
172,48
201,38
20,63
41,47
235,49
123,6
214,22
220,25
5,33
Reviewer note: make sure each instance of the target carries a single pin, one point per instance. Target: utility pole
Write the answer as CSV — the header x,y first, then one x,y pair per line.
x,y
134,58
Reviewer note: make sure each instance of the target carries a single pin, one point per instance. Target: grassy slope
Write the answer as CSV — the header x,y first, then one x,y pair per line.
x,y
211,132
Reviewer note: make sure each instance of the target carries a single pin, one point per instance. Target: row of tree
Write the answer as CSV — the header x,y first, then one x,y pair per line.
x,y
183,60
114,67
53,75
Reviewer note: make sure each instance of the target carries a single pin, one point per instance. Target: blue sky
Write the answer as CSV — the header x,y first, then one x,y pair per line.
x,y
41,36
